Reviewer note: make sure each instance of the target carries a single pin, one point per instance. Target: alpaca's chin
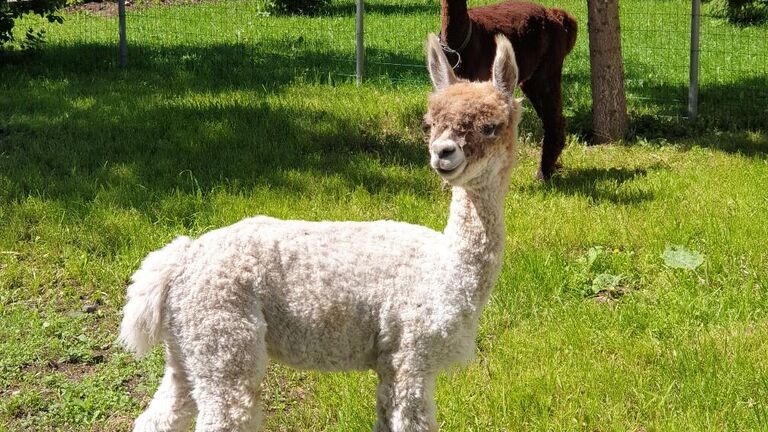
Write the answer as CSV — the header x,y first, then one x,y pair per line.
x,y
451,175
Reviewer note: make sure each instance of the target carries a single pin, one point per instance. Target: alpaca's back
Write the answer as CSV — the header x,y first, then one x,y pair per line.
x,y
324,288
569,25
536,32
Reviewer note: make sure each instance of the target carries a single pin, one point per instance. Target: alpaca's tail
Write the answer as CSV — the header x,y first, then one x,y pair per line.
x,y
570,26
143,314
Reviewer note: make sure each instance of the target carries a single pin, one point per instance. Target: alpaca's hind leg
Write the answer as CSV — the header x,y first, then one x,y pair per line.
x,y
544,91
172,407
405,402
226,366
384,397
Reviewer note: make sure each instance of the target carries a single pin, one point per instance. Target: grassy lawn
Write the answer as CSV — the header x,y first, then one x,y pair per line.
x,y
218,118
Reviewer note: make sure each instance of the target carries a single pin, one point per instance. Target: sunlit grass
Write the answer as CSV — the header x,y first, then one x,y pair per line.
x,y
207,125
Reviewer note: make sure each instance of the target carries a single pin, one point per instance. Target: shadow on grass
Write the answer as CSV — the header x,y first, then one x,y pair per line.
x,y
599,184
268,64
64,122
732,118
658,111
162,126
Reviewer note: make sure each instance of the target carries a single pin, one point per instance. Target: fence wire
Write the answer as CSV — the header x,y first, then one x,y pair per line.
x,y
240,39
733,70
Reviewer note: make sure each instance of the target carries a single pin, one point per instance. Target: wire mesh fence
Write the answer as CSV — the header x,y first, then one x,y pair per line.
x,y
239,35
655,47
733,74
241,40
732,69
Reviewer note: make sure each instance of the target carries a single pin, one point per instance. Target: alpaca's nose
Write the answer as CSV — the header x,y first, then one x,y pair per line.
x,y
444,149
444,153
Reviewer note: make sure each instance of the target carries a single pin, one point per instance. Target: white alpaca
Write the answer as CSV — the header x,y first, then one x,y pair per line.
x,y
400,299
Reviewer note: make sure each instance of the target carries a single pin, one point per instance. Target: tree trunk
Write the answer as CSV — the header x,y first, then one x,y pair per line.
x,y
609,105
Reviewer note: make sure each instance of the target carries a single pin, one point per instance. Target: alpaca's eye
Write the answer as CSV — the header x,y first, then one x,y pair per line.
x,y
489,129
425,126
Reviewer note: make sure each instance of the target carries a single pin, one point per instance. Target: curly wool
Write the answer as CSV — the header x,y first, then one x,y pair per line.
x,y
397,298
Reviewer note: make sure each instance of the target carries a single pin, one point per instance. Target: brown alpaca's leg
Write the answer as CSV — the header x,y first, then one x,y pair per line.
x,y
544,92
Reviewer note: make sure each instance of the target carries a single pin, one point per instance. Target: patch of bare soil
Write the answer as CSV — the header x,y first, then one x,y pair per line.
x,y
611,296
9,391
109,9
73,369
132,387
76,370
116,423
104,9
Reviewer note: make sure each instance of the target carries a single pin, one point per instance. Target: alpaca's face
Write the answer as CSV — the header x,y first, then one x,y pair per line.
x,y
472,129
473,126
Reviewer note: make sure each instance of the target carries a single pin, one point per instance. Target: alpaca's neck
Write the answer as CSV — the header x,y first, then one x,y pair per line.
x,y
455,22
476,235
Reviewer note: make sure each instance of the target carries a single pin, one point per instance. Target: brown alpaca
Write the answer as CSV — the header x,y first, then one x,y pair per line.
x,y
541,37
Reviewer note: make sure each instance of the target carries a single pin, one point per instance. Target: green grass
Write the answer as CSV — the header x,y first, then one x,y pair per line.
x,y
220,118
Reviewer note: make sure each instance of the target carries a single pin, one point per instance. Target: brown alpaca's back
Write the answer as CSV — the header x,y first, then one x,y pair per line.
x,y
537,34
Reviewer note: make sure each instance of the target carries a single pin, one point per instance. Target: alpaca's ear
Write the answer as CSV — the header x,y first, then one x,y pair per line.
x,y
439,69
504,73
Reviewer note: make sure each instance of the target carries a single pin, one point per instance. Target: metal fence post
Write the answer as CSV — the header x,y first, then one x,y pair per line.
x,y
693,78
360,50
122,59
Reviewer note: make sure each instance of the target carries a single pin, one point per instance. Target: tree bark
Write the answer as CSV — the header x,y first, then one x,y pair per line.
x,y
609,104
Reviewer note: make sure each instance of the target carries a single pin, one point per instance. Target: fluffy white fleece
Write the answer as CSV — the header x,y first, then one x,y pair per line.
x,y
400,299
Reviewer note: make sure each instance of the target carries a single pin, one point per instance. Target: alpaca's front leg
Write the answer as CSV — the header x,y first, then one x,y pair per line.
x,y
405,402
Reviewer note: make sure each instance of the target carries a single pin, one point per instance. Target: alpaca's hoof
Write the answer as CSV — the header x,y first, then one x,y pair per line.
x,y
543,175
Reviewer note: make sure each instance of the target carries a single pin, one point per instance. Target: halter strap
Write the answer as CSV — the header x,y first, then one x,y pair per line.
x,y
466,39
457,51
